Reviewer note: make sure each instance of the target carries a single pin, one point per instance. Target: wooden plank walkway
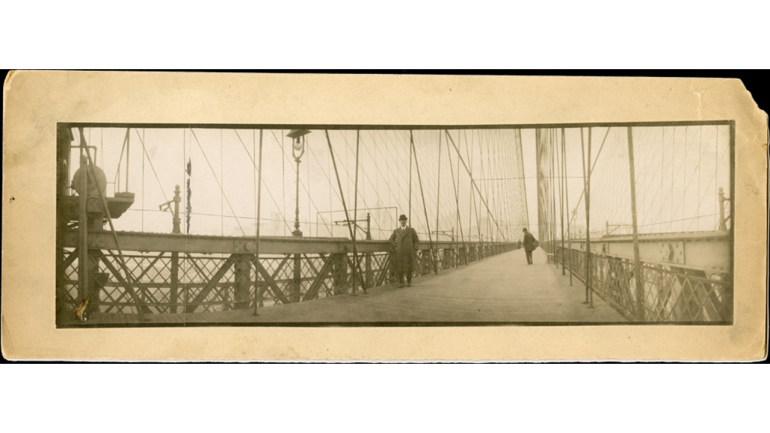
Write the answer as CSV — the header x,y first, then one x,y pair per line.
x,y
500,289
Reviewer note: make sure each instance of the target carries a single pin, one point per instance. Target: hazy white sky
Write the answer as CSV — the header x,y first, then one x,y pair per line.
x,y
678,172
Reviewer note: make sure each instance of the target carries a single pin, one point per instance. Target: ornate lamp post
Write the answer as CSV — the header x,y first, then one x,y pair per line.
x,y
298,149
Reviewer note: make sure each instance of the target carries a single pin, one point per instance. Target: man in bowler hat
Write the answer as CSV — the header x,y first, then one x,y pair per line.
x,y
530,243
405,244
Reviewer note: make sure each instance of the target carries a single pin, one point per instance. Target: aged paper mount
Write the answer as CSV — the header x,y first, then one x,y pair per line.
x,y
36,101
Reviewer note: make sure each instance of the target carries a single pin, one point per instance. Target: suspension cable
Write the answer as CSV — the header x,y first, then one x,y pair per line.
x,y
217,180
425,207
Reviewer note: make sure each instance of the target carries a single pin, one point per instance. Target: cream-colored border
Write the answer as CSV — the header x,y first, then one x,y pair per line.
x,y
36,101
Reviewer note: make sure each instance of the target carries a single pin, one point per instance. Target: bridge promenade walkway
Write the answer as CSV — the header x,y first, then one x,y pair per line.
x,y
500,289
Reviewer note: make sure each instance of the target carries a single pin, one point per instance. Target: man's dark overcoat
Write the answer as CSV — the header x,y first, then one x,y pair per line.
x,y
529,242
405,244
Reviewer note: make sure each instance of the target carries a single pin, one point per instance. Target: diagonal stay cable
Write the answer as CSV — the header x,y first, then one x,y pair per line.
x,y
424,206
591,171
457,199
254,163
217,181
151,166
477,188
345,208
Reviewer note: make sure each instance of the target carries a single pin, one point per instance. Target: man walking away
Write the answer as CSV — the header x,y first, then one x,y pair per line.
x,y
405,244
529,245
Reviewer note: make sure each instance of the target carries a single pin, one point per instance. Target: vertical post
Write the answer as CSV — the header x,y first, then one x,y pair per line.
x,y
83,229
587,189
63,149
637,264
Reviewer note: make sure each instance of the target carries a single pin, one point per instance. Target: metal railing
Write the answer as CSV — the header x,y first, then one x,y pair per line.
x,y
168,282
670,293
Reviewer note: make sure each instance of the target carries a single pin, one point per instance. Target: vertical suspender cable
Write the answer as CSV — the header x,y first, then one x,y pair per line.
x,y
120,159
520,147
700,141
222,175
552,190
184,174
655,221
588,224
128,153
457,199
459,219
561,200
258,215
309,213
283,186
472,182
469,155
410,182
355,215
342,196
684,176
637,263
587,279
143,157
425,207
566,199
438,188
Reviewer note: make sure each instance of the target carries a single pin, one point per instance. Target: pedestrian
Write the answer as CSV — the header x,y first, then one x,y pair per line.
x,y
405,243
530,243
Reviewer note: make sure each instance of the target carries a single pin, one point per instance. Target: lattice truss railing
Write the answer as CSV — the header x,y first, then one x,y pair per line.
x,y
671,294
206,283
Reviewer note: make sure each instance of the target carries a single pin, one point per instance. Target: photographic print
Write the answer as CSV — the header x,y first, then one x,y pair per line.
x,y
192,216
326,225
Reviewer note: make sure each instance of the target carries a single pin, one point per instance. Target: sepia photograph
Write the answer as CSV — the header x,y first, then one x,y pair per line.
x,y
189,216
339,225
